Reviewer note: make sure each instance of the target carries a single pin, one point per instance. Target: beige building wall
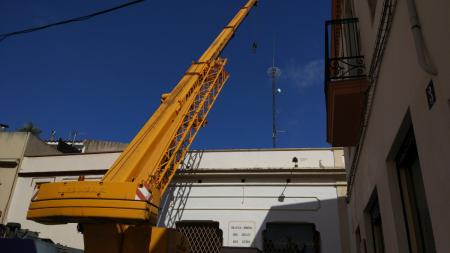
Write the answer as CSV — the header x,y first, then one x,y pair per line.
x,y
400,99
12,149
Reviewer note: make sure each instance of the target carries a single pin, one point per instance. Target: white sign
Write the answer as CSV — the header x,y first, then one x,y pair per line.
x,y
241,233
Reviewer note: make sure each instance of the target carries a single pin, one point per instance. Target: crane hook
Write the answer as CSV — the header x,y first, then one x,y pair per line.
x,y
254,47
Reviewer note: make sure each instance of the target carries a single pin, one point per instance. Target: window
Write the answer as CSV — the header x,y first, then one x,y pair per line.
x,y
372,8
415,209
291,237
374,215
349,13
358,241
203,236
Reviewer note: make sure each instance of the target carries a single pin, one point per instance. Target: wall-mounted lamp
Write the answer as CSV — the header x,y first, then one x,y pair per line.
x,y
295,161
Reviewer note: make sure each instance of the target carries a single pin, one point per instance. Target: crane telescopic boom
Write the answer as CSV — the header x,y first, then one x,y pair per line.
x,y
131,190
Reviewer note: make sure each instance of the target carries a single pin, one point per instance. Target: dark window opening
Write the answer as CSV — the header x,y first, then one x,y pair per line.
x,y
349,13
372,8
358,241
8,164
291,238
374,215
415,208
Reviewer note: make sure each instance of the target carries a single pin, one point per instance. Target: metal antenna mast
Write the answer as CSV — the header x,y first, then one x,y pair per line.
x,y
274,73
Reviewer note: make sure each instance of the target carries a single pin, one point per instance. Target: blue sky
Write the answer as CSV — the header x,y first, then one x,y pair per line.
x,y
104,77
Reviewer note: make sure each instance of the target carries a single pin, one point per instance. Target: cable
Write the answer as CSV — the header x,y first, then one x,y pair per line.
x,y
82,18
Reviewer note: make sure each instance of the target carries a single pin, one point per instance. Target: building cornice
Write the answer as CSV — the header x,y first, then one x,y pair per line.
x,y
309,174
202,151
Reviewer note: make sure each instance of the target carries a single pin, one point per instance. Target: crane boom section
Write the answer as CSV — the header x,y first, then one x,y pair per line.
x,y
141,158
131,190
227,33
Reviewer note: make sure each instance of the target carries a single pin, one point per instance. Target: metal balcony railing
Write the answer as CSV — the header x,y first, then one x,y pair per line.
x,y
342,52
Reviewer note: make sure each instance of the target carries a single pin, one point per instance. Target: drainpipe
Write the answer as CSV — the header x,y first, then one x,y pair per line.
x,y
419,42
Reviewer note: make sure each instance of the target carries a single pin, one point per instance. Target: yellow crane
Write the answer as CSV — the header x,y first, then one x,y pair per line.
x,y
118,213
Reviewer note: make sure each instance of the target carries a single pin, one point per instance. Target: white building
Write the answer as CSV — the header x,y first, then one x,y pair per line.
x,y
245,191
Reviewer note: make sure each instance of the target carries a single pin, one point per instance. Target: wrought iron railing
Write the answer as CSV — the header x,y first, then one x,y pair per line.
x,y
342,52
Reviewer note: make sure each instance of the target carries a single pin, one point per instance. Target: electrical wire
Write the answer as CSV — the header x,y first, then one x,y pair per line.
x,y
82,18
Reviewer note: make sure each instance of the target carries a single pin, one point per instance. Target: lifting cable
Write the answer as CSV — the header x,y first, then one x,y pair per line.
x,y
254,31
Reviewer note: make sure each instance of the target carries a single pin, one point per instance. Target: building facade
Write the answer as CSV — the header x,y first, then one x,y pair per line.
x,y
388,103
258,198
14,146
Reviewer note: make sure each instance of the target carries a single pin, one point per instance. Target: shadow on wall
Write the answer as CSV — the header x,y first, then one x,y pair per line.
x,y
310,226
307,227
286,220
170,214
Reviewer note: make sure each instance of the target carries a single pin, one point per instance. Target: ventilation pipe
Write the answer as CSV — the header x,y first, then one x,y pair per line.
x,y
419,42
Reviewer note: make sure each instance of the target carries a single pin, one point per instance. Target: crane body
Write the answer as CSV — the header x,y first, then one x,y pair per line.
x,y
118,213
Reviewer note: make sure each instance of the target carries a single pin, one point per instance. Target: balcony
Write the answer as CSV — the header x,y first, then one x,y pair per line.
x,y
345,82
